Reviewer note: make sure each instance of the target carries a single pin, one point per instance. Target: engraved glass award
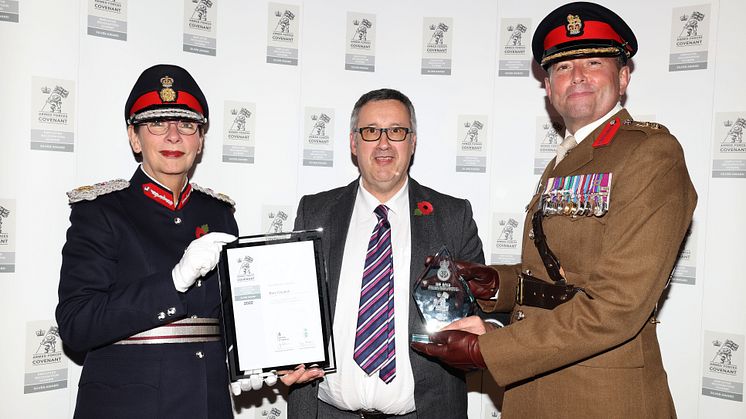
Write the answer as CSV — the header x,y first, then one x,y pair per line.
x,y
441,295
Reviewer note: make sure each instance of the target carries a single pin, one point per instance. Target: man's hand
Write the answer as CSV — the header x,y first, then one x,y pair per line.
x,y
483,281
471,324
300,375
200,257
454,347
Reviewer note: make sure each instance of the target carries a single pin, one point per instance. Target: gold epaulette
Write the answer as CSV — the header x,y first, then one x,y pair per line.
x,y
216,195
643,124
91,192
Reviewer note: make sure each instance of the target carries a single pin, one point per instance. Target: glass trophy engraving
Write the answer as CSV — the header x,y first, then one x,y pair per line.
x,y
441,295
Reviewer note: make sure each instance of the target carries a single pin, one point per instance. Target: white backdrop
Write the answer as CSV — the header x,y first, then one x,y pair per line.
x,y
47,43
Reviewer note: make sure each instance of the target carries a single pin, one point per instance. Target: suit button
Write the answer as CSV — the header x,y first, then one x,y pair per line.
x,y
171,311
520,315
199,354
199,283
177,220
161,315
531,234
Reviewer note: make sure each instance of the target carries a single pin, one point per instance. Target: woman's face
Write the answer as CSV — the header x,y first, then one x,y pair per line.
x,y
167,157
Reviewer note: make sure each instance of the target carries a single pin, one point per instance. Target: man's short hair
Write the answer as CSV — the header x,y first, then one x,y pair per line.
x,y
383,94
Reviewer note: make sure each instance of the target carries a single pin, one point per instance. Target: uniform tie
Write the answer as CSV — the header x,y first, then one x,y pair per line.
x,y
567,144
374,336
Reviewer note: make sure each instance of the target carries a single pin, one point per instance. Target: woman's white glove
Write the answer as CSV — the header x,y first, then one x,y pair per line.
x,y
254,382
200,257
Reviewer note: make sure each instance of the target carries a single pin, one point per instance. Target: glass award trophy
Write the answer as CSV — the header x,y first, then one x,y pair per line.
x,y
441,295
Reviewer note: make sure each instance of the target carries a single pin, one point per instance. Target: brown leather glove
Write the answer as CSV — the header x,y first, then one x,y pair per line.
x,y
483,281
456,348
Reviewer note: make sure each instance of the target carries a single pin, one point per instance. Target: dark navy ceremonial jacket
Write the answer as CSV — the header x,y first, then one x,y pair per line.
x,y
116,281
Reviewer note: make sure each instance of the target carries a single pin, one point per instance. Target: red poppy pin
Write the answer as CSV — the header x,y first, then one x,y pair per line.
x,y
423,208
201,230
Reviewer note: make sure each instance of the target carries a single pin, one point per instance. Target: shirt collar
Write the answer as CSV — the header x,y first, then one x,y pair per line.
x,y
586,130
186,181
398,204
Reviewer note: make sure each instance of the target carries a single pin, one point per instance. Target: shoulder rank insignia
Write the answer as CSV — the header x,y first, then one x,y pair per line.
x,y
642,124
216,195
607,133
91,192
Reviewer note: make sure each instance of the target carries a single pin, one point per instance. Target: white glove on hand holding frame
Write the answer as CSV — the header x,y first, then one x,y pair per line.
x,y
200,257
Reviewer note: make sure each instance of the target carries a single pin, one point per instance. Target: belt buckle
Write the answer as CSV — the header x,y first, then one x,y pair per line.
x,y
519,291
371,414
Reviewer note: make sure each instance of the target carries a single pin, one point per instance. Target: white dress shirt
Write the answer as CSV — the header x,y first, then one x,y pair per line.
x,y
350,388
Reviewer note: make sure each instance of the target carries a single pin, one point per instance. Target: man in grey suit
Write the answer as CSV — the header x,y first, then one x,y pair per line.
x,y
419,220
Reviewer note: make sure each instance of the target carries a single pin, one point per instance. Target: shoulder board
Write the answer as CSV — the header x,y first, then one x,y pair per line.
x,y
217,195
91,192
644,125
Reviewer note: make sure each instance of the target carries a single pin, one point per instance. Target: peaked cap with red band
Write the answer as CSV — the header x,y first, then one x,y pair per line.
x,y
164,92
582,29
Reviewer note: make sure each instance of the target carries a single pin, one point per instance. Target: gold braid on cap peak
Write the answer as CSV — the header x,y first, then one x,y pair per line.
x,y
583,51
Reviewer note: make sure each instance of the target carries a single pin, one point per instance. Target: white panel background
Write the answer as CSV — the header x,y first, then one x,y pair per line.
x,y
50,41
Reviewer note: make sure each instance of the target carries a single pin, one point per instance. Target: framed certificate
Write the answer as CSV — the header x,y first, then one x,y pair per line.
x,y
275,303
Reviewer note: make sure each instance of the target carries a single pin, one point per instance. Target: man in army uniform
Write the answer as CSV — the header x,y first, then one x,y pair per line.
x,y
612,207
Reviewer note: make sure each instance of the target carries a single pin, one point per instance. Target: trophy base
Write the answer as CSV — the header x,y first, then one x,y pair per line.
x,y
420,338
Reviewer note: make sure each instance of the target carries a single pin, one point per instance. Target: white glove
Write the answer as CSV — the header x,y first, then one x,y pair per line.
x,y
200,257
254,382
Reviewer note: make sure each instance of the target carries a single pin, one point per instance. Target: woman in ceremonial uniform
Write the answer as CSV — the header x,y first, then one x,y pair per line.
x,y
138,286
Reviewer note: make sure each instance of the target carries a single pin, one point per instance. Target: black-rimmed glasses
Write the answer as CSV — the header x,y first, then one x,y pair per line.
x,y
393,133
161,127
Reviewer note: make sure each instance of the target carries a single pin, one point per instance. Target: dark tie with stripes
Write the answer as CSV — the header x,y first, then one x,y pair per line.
x,y
374,337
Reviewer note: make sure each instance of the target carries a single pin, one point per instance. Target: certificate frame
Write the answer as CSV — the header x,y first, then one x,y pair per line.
x,y
261,329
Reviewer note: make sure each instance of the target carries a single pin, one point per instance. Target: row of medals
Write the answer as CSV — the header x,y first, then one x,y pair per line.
x,y
577,195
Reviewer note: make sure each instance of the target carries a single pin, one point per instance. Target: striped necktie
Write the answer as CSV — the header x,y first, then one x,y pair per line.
x,y
567,144
374,336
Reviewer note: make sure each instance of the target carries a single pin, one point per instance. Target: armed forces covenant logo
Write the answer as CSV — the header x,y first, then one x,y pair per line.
x,y
282,30
506,239
238,130
273,413
360,37
733,140
318,133
244,269
111,6
722,363
278,220
551,137
689,35
515,46
471,139
4,213
437,42
199,19
52,110
48,351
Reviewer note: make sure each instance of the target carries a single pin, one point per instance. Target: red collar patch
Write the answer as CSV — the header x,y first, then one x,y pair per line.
x,y
165,197
607,133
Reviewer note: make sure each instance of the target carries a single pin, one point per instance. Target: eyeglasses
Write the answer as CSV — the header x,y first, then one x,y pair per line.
x,y
393,134
161,127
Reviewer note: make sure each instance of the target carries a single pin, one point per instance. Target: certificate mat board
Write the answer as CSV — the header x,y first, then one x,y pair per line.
x,y
275,303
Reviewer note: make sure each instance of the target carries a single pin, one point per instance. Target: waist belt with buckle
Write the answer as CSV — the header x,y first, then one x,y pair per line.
x,y
374,414
537,293
189,330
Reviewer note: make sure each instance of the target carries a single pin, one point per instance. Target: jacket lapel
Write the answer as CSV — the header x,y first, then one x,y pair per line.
x,y
340,214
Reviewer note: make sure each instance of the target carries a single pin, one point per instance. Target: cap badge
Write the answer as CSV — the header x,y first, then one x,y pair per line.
x,y
167,93
574,25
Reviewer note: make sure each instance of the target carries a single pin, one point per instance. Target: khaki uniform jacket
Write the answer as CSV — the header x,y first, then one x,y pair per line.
x,y
598,358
